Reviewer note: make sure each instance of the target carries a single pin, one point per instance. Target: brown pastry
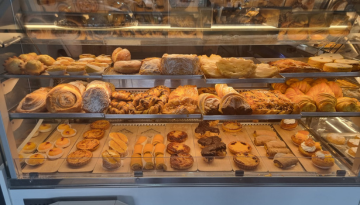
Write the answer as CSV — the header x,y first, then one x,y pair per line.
x,y
89,6
160,162
181,161
264,132
335,139
150,66
127,67
246,161
96,97
79,158
183,100
323,160
64,98
178,64
14,65
230,126
120,54
88,144
262,139
94,134
293,66
177,136
300,137
217,149
209,90
232,103
122,95
285,161
288,124
34,102
28,56
175,148
239,147
205,130
100,124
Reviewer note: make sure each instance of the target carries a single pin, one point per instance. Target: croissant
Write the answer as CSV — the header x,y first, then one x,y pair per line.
x,y
309,80
357,106
345,104
318,81
324,97
279,86
64,98
34,102
305,102
302,86
291,81
336,89
292,92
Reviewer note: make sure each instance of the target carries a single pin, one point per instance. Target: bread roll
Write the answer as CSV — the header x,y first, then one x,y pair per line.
x,y
337,67
64,98
319,62
127,67
96,97
120,54
150,66
178,64
34,102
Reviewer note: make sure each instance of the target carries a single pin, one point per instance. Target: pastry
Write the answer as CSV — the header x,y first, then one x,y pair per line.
x,y
209,104
346,84
45,127
64,98
120,54
35,159
29,147
62,63
208,66
239,147
87,6
204,142
177,136
300,137
62,127
210,152
65,59
307,148
100,124
293,92
264,132
136,162
79,158
150,66
138,149
56,70
323,160
262,139
181,161
285,161
293,66
337,67
352,151
345,104
148,159
94,134
94,69
232,103
28,56
236,67
62,142
175,148
204,130
209,90
279,86
160,162
353,142
323,96
54,153
303,86
158,139
319,81
290,81
142,140
86,56
333,56
265,71
246,161
336,89
96,97
230,126
103,59
182,100
68,132
288,124
88,144
306,103
45,59
148,148
117,136
45,146
122,95
33,102
119,146
353,63
274,147
111,159
14,65
179,64
159,149
127,67
34,67
319,62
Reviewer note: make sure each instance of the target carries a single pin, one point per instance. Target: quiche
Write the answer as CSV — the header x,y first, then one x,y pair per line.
x,y
236,147
79,158
231,126
100,124
94,134
246,161
88,144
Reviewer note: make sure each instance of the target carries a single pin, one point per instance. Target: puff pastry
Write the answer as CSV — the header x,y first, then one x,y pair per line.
x,y
64,98
34,102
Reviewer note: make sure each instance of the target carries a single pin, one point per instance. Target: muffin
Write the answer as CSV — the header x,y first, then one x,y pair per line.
x,y
323,160
300,137
307,148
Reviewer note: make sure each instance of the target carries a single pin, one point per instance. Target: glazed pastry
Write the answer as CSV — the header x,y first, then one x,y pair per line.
x,y
120,54
285,161
136,162
264,132
45,127
323,96
337,67
45,146
142,140
239,147
79,158
34,67
236,67
100,124
345,104
288,124
307,148
204,130
319,62
88,144
14,65
210,152
111,159
303,86
181,161
262,139
159,149
96,97
138,149
62,127
230,126
54,153
64,98
175,148
158,139
117,136
323,160
29,147
62,142
293,92
34,102
246,161
204,142
148,159
306,103
35,159
122,95
150,66
177,136
179,64
94,134
335,139
353,142
232,103
127,67
119,146
56,70
45,59
279,86
300,137
336,89
160,162
68,132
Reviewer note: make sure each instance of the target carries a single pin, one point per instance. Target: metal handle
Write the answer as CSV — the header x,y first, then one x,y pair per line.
x,y
12,41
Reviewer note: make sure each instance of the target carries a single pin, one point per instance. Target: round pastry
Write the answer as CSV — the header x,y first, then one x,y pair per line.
x,y
64,98
141,140
111,159
100,124
337,67
127,67
62,127
88,144
87,60
120,54
103,59
86,56
353,63
90,6
35,159
323,160
29,147
230,126
45,128
307,148
300,137
353,142
14,65
34,102
239,147
177,136
65,59
181,161
27,57
79,158
319,62
335,139
352,151
288,124
45,146
75,70
34,67
62,142
94,70
62,62
54,153
45,59
175,148
102,65
246,161
56,70
94,134
68,132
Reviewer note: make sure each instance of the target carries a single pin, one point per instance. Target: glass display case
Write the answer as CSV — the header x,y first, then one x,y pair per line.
x,y
180,92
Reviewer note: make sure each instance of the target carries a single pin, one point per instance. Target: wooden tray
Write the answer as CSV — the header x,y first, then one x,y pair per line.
x,y
96,154
219,164
306,162
130,132
189,142
51,166
269,162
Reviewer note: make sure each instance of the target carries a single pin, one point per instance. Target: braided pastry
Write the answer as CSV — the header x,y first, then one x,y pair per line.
x,y
122,95
121,107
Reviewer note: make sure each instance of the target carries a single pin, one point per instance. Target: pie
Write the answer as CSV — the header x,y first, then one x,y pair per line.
x,y
246,161
236,147
293,66
35,159
94,134
79,158
88,144
68,132
177,136
181,161
100,124
230,126
175,148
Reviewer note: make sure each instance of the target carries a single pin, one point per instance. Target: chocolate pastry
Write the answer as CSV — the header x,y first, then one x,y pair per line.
x,y
121,107
211,151
204,130
207,141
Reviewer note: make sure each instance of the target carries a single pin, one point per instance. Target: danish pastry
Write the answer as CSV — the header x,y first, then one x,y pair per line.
x,y
181,161
175,148
177,136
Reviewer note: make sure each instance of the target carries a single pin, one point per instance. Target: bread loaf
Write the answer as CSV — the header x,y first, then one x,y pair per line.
x,y
209,67
150,66
96,97
178,64
34,102
64,98
120,54
337,67
319,62
127,67
353,63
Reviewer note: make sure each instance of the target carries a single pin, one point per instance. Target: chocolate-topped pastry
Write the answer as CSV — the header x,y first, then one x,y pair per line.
x,y
214,150
204,142
204,130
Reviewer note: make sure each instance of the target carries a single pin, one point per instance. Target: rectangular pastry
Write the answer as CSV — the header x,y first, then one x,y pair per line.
x,y
271,152
261,140
264,132
178,64
285,161
150,66
274,144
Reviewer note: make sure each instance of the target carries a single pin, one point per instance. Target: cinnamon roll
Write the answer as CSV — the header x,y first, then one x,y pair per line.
x,y
64,98
34,102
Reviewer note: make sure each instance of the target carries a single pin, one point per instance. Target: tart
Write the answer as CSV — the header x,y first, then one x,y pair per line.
x,y
119,147
230,126
65,59
87,60
100,124
335,139
323,160
62,142
29,147
175,148
205,130
79,158
142,140
177,136
111,159
307,148
35,159
45,146
68,132
353,142
62,127
56,69
181,161
117,136
236,147
88,144
76,69
54,153
158,139
288,124
246,161
94,134
204,142
45,128
300,137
